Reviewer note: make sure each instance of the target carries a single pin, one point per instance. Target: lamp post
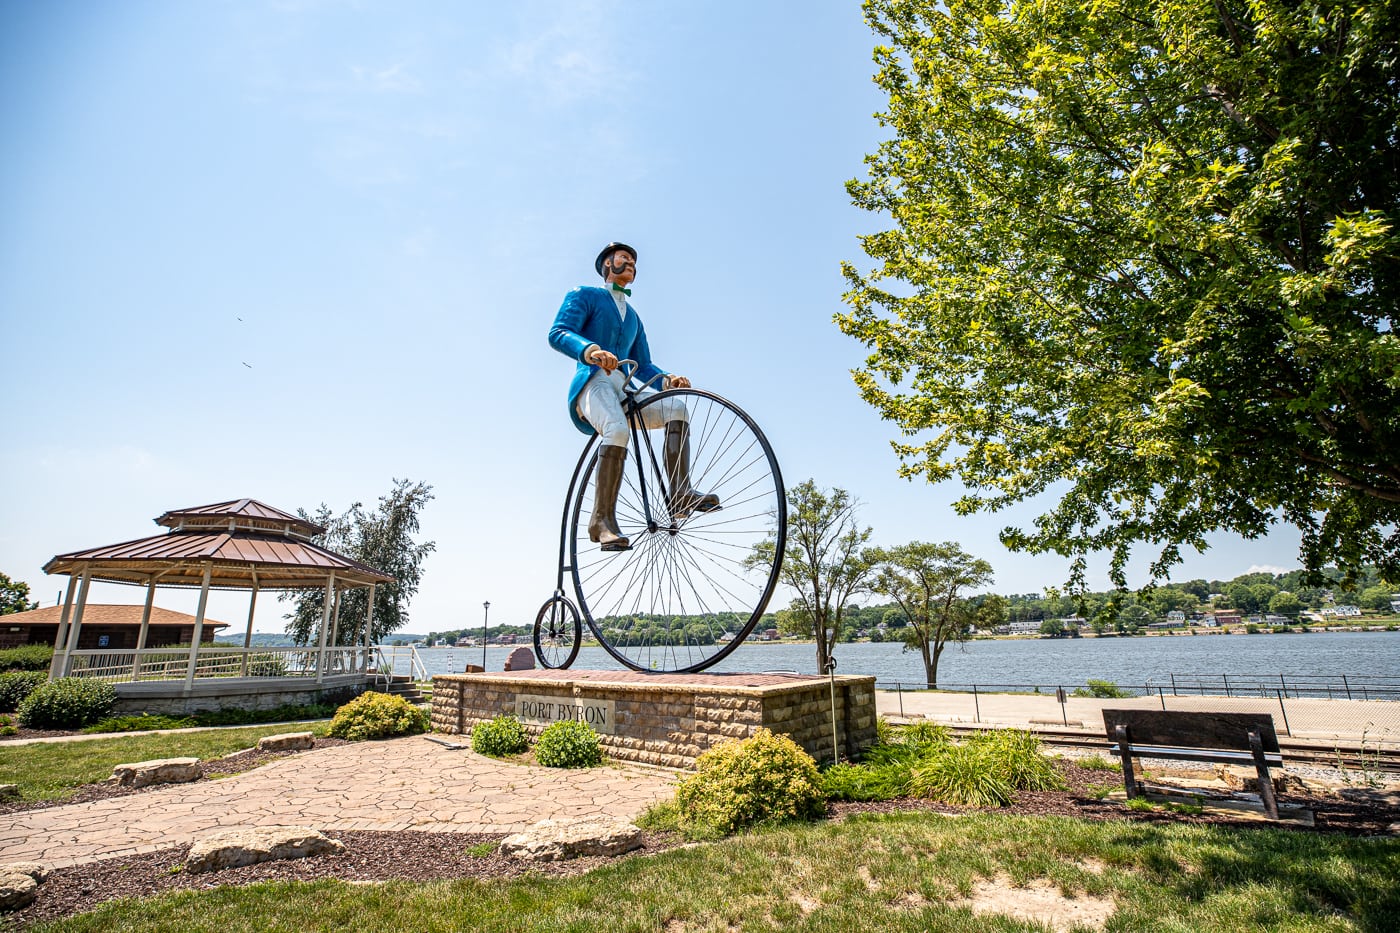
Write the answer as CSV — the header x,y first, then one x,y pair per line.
x,y
485,614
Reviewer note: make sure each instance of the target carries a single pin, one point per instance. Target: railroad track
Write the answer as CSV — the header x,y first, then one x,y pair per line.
x,y
1353,756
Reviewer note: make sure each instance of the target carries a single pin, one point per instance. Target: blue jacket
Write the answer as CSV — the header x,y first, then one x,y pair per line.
x,y
588,316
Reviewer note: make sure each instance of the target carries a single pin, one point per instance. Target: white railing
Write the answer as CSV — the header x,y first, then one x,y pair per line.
x,y
211,662
401,659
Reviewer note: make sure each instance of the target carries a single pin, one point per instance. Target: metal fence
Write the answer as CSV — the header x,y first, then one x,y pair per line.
x,y
1365,708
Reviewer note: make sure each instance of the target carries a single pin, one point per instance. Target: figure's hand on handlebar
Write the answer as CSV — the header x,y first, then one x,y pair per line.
x,y
677,382
603,359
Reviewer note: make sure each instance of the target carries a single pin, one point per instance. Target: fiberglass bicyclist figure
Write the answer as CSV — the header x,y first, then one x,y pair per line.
x,y
597,327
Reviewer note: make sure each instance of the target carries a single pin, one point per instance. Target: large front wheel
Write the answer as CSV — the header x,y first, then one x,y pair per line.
x,y
694,583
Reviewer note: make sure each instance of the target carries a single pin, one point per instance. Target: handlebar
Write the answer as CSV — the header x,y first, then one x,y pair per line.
x,y
628,376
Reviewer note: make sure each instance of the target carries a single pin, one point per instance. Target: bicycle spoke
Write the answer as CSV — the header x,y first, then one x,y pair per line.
x,y
687,591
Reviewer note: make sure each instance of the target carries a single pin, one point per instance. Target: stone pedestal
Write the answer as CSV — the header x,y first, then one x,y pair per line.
x,y
666,719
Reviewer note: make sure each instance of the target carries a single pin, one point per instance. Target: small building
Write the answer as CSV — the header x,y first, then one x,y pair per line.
x,y
105,626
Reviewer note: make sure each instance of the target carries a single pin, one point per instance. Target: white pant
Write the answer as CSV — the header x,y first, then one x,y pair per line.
x,y
600,404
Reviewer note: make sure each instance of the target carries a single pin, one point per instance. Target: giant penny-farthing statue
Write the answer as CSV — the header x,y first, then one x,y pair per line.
x,y
675,519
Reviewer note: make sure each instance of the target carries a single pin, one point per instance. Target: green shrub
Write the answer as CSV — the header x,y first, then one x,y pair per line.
x,y
252,717
923,735
26,658
7,726
961,774
1015,755
377,716
848,781
568,744
1101,689
16,685
140,723
502,736
67,703
763,779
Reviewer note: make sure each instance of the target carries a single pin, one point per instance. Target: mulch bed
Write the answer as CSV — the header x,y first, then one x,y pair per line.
x,y
418,856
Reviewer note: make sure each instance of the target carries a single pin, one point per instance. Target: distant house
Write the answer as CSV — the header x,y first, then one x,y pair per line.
x,y
1226,617
1176,617
104,626
1395,602
1341,611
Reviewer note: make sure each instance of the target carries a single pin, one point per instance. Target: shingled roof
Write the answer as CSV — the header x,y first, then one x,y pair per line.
x,y
243,542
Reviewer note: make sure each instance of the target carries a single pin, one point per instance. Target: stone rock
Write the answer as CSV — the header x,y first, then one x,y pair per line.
x,y
556,840
8,790
35,870
250,845
1246,780
16,889
521,659
286,742
157,771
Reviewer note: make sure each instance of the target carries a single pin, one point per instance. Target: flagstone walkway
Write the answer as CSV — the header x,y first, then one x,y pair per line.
x,y
396,784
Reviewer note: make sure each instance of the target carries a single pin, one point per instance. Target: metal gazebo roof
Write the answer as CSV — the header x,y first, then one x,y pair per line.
x,y
242,542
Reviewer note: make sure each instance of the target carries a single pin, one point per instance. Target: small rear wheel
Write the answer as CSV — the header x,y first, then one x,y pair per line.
x,y
558,633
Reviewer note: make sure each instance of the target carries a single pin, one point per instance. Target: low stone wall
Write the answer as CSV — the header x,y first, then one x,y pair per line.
x,y
665,719
167,698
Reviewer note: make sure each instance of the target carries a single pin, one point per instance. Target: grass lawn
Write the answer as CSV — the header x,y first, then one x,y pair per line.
x,y
53,770
900,872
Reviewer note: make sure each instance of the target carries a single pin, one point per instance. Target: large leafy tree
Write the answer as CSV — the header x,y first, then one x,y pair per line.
x,y
825,563
383,539
1143,259
14,596
932,585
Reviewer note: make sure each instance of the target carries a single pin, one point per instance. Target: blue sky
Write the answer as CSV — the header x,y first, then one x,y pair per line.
x,y
292,250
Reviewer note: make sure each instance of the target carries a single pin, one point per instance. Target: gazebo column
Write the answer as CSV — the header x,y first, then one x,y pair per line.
x,y
369,628
325,621
335,621
248,633
77,625
61,638
145,627
198,627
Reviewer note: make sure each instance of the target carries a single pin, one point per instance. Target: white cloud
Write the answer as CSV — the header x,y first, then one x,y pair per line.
x,y
573,58
395,78
1269,568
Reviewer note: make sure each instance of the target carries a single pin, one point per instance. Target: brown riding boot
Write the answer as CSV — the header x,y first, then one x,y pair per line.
x,y
602,527
684,499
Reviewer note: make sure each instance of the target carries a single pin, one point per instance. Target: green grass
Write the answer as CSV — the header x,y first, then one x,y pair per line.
x,y
53,770
903,872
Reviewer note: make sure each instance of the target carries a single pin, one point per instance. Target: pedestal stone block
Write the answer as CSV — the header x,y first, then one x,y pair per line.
x,y
666,719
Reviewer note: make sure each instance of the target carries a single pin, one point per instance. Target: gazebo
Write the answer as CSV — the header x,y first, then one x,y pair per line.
x,y
241,544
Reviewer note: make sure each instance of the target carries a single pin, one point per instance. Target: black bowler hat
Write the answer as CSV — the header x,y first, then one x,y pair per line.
x,y
608,251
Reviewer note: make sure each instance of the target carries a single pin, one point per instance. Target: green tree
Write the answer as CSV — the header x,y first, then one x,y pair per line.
x,y
1285,604
930,584
1052,627
1131,619
14,596
383,539
1376,598
1144,251
825,562
1164,599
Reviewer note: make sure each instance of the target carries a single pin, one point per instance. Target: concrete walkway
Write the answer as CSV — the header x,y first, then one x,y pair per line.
x,y
396,784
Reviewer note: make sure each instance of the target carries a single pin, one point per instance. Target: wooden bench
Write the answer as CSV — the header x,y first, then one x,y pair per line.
x,y
1226,738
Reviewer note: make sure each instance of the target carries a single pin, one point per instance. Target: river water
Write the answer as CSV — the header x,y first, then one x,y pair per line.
x,y
1062,661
